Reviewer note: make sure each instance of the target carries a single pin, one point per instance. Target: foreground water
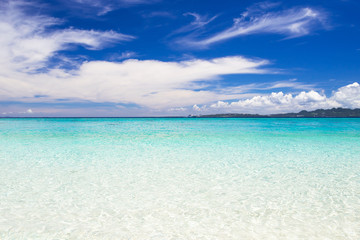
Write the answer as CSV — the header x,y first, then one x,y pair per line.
x,y
179,179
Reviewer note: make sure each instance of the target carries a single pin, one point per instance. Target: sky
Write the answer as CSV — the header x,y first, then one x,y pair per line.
x,y
122,58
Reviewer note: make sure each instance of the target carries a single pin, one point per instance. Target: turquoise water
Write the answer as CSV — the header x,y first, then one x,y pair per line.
x,y
178,179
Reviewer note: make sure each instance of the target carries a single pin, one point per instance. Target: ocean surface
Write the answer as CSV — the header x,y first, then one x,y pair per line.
x,y
179,179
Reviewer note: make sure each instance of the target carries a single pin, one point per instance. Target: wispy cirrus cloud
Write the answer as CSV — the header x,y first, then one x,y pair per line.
x,y
122,56
291,23
292,84
28,41
102,7
260,8
199,22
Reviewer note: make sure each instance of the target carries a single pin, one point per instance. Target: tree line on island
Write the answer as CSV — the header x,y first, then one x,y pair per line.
x,y
319,113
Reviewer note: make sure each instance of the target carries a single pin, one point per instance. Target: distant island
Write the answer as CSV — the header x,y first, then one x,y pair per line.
x,y
319,113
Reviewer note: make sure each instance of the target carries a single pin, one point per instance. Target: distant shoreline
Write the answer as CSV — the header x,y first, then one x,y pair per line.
x,y
200,117
319,113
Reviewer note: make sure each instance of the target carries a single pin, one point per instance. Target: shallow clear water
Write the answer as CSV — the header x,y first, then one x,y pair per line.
x,y
179,179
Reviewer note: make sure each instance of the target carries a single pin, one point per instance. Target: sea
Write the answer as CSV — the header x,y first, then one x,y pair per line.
x,y
179,178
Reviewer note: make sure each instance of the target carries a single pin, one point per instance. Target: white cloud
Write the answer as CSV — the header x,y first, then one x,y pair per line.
x,y
27,42
123,55
199,22
246,88
158,84
260,7
278,102
178,109
197,108
29,111
292,23
348,96
105,6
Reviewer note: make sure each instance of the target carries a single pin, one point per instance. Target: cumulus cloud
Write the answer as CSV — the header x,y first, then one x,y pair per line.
x,y
278,102
348,96
291,23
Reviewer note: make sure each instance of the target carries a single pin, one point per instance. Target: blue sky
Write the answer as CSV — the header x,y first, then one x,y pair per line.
x,y
174,58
